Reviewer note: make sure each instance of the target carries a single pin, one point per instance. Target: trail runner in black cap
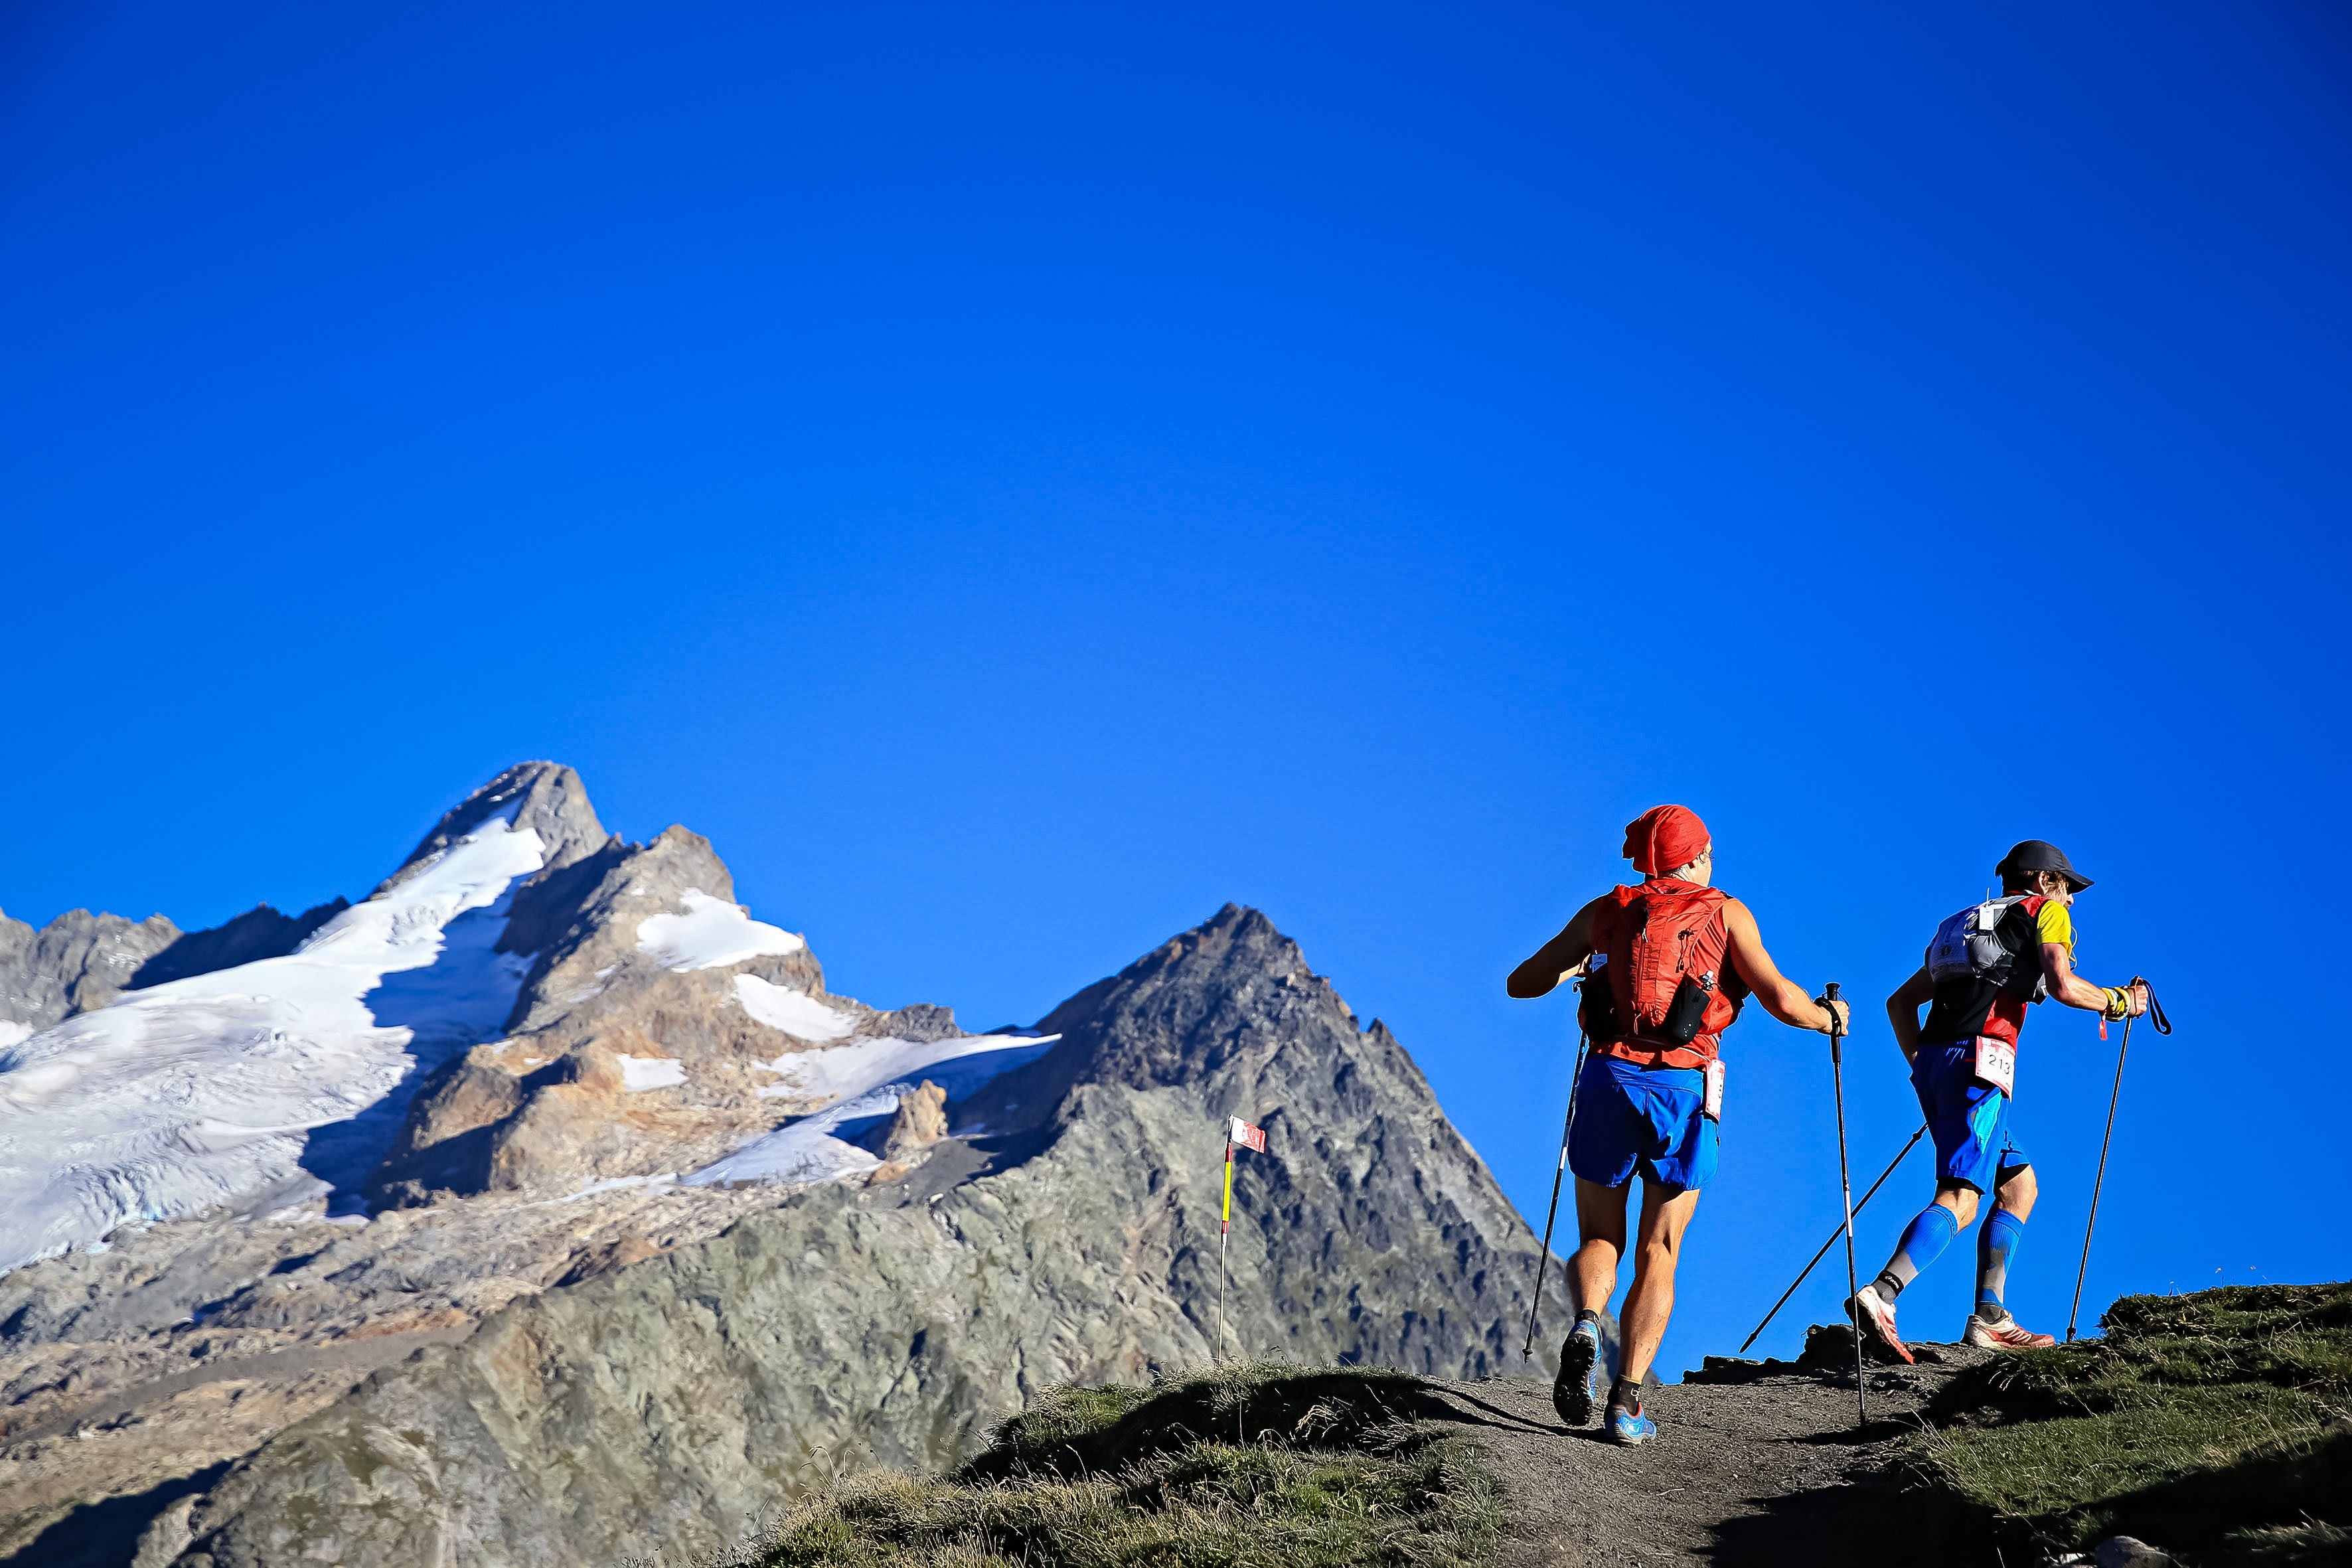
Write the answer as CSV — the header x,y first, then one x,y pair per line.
x,y
1986,964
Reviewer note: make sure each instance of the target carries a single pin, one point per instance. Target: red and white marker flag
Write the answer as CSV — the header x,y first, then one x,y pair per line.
x,y
1238,1134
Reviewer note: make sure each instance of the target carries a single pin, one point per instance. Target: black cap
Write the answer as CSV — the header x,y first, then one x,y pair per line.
x,y
2040,855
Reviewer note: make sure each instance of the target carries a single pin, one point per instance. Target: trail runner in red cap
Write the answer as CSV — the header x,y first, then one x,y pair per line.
x,y
1674,959
1986,965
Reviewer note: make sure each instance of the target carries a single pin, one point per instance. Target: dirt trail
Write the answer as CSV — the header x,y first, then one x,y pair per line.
x,y
1759,1469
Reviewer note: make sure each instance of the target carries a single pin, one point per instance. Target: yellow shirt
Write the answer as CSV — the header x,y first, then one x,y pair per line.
x,y
2057,924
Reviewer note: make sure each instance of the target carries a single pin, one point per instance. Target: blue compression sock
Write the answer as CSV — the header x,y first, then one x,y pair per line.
x,y
1996,1245
1930,1233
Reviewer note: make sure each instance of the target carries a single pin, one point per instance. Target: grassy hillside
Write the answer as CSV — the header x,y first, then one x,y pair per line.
x,y
1253,1468
2217,1425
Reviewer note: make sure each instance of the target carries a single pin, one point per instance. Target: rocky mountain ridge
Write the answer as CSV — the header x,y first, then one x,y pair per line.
x,y
684,1219
81,961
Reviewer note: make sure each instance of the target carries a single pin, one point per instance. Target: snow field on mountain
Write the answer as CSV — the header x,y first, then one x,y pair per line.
x,y
711,934
641,1073
796,1013
866,1077
201,1091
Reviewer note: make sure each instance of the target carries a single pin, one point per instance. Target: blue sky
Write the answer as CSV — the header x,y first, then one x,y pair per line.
x,y
1018,481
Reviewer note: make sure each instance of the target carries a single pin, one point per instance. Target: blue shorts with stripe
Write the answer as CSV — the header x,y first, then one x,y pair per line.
x,y
1633,1118
1967,1119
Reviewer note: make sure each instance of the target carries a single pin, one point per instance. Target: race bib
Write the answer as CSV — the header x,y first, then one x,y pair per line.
x,y
1996,1064
1712,1104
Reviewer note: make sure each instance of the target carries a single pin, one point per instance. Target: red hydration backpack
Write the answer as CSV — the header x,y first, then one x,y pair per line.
x,y
1664,994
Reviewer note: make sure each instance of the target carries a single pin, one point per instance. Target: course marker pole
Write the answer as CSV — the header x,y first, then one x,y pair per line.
x,y
1846,1186
1832,1241
1225,1226
1237,1132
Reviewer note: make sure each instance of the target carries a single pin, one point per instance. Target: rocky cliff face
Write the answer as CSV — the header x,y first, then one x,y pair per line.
x,y
1066,1229
259,932
81,961
685,1229
77,962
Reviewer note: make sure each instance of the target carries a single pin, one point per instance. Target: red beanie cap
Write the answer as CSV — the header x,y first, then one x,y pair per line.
x,y
1665,837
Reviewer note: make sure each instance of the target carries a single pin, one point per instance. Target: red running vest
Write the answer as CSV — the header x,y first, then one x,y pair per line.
x,y
1655,935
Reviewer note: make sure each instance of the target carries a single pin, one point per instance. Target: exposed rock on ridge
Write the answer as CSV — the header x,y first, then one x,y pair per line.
x,y
260,933
81,961
543,1108
921,1121
547,798
1066,1229
77,962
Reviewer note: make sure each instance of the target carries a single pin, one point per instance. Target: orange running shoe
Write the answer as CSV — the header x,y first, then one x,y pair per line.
x,y
2004,1335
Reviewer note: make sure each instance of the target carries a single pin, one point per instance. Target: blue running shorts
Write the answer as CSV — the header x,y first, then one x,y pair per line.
x,y
1630,1117
1967,1119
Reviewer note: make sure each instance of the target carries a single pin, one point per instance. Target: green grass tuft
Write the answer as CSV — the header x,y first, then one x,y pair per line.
x,y
2214,1424
1259,1467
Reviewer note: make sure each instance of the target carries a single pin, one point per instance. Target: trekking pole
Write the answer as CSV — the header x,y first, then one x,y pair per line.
x,y
2162,1026
1846,1186
1543,1259
1832,1240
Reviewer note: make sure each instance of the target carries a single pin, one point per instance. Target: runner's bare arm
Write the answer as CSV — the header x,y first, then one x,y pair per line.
x,y
1782,997
1903,1011
2058,970
1556,959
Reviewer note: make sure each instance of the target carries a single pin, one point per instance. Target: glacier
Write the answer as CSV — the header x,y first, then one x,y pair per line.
x,y
265,1084
864,1079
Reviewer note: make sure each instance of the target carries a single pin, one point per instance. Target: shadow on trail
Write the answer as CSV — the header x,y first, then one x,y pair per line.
x,y
1503,1420
1828,1524
1882,1429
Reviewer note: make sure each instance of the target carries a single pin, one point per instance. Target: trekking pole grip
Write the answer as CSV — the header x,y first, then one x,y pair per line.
x,y
1829,996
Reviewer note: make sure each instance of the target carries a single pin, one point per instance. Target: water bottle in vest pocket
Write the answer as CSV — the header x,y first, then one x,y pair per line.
x,y
1688,1009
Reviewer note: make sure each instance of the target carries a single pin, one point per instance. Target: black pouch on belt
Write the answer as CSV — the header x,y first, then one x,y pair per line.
x,y
1597,1012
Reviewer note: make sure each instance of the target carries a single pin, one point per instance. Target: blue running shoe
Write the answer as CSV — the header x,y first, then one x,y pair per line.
x,y
1631,1428
1577,1392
